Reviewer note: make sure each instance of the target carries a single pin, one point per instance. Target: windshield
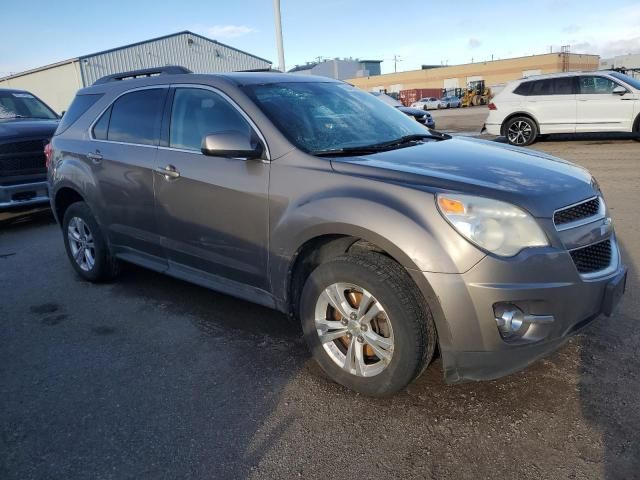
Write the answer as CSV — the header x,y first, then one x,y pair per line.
x,y
627,79
318,116
387,99
23,105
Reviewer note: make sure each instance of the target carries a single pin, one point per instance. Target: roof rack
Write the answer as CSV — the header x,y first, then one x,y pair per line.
x,y
147,72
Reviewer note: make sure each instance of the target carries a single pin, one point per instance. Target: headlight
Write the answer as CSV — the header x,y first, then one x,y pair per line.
x,y
498,227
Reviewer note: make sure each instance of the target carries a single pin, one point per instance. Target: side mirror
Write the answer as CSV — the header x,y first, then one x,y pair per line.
x,y
231,144
619,90
62,114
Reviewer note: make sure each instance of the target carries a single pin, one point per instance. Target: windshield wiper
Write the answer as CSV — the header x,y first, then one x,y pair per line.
x,y
381,147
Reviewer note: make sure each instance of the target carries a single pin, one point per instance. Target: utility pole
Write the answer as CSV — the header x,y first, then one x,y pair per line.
x,y
396,59
276,8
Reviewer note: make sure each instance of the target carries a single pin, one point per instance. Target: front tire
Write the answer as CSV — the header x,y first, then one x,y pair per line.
x,y
86,245
366,323
521,131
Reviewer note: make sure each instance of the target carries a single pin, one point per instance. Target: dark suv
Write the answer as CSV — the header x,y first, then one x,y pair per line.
x,y
310,196
26,125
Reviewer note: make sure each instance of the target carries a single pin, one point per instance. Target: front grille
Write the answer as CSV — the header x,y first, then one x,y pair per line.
x,y
28,146
22,158
580,211
593,257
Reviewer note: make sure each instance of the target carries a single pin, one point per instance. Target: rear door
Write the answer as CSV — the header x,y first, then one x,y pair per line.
x,y
553,103
214,216
599,109
123,155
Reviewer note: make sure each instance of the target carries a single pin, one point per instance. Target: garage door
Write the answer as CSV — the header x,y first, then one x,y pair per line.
x,y
451,83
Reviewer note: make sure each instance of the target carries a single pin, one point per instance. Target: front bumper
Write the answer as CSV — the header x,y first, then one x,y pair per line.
x,y
25,195
540,282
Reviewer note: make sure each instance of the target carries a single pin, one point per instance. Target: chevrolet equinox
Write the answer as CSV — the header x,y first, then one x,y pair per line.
x,y
387,240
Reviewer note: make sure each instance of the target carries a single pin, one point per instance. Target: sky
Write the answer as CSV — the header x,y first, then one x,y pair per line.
x,y
417,32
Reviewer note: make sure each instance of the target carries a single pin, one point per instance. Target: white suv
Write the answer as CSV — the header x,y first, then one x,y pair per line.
x,y
573,102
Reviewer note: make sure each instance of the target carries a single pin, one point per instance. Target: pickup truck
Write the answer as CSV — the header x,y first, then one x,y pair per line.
x,y
26,126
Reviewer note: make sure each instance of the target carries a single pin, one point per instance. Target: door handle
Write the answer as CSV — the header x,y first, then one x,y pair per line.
x,y
95,157
169,172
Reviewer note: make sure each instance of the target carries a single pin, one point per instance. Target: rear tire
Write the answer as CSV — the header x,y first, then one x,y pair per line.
x,y
396,343
521,131
86,245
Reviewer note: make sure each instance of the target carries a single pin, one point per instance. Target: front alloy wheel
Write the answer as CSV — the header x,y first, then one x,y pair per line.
x,y
354,329
366,323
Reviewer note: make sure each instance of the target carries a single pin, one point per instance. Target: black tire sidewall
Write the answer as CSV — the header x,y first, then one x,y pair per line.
x,y
406,362
102,268
534,131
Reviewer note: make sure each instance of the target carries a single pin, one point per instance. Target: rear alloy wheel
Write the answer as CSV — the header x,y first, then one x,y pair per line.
x,y
366,324
521,131
86,246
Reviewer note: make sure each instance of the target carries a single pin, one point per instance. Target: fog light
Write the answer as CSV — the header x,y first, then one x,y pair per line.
x,y
510,320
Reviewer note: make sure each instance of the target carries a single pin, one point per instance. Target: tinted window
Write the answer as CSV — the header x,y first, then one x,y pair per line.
x,y
80,104
196,113
596,85
101,127
135,117
523,88
542,87
562,86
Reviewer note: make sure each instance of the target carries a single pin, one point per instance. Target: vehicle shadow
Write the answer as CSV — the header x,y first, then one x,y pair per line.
x,y
610,381
598,138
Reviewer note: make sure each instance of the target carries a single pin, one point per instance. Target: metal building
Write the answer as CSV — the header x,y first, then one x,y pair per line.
x,y
57,83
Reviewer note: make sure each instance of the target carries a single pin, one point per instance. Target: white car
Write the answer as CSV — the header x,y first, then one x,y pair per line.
x,y
574,102
427,103
450,102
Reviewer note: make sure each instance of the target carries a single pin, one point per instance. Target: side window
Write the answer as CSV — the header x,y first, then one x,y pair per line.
x,y
135,117
562,86
80,104
541,87
523,89
102,126
198,112
594,85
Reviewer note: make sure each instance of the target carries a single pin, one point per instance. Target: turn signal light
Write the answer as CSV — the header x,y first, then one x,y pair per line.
x,y
448,205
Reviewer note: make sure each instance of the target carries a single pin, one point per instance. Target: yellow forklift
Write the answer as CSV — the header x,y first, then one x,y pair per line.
x,y
476,93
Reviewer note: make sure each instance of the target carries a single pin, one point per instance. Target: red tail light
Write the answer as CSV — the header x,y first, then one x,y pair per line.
x,y
47,154
492,106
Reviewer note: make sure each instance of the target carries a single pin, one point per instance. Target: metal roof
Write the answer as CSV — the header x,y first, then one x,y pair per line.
x,y
89,78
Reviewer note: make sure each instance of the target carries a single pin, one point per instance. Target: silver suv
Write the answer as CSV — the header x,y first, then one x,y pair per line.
x,y
388,241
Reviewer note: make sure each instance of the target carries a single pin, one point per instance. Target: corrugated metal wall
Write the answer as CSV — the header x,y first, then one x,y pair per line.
x,y
188,50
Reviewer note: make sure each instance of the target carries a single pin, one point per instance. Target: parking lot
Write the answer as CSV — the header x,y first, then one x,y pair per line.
x,y
151,377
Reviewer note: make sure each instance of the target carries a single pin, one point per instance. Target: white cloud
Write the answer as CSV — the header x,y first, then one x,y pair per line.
x,y
228,31
474,43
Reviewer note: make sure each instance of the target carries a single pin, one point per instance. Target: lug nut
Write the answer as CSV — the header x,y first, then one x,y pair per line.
x,y
344,322
360,339
353,316
364,327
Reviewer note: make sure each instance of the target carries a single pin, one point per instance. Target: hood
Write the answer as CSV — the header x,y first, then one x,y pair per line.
x,y
16,128
532,180
416,112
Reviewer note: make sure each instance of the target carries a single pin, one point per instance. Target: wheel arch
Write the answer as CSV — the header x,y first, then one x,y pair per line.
x,y
64,197
518,114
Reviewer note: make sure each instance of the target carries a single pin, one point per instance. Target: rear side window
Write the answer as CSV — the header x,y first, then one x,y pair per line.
x,y
80,104
550,86
523,89
135,117
101,128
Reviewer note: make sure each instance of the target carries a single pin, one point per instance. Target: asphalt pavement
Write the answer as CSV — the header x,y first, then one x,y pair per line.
x,y
151,377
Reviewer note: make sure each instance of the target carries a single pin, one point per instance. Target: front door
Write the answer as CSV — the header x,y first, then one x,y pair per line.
x,y
599,109
214,215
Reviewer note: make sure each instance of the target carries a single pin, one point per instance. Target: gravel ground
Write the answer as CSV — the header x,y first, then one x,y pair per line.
x,y
150,377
